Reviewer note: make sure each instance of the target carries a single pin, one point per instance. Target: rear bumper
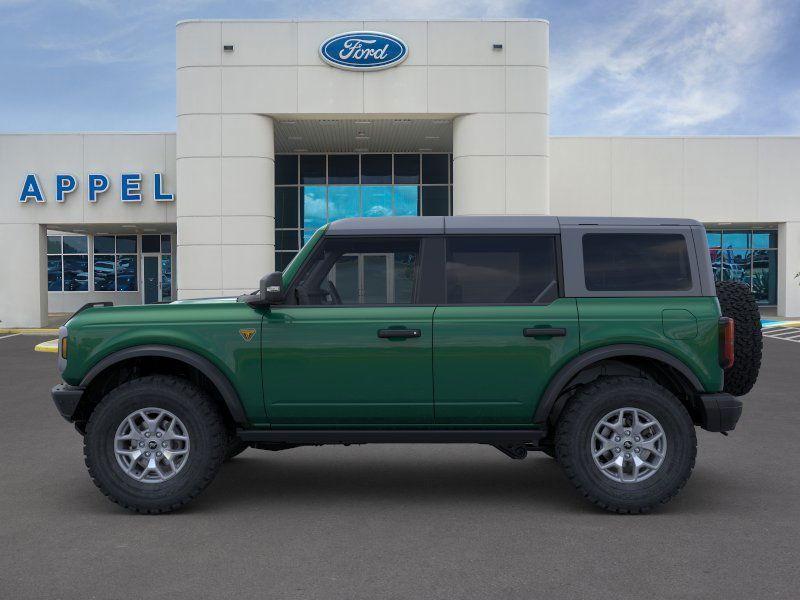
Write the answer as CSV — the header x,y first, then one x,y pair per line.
x,y
719,412
66,399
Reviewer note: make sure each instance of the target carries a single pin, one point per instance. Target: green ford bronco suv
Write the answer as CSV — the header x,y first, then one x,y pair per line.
x,y
601,342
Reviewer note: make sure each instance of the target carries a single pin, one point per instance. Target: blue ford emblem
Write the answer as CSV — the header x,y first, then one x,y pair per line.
x,y
363,50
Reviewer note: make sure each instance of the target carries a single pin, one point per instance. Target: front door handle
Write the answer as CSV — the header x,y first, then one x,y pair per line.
x,y
399,333
544,332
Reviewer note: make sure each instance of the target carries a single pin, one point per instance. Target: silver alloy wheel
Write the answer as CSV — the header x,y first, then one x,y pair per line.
x,y
628,445
151,445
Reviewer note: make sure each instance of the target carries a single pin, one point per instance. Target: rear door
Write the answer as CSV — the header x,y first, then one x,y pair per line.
x,y
357,346
503,330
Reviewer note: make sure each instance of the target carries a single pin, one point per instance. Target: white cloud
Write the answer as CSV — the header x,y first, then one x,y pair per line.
x,y
672,69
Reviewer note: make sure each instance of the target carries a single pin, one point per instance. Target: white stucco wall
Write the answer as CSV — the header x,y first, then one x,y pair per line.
x,y
23,277
730,180
227,100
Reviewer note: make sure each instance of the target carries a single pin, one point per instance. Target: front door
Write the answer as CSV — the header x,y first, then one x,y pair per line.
x,y
352,344
151,279
503,331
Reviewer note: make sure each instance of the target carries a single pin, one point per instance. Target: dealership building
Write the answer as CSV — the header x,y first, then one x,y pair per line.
x,y
283,126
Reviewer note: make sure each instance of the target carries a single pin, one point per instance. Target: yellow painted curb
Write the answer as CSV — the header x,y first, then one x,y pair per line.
x,y
48,346
29,331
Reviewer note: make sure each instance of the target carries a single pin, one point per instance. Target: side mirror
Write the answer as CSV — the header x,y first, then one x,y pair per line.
x,y
270,291
270,288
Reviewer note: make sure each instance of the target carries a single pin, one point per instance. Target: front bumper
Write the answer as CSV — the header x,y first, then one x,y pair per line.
x,y
719,412
67,398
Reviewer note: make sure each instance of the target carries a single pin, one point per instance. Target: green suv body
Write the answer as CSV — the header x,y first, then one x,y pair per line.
x,y
508,331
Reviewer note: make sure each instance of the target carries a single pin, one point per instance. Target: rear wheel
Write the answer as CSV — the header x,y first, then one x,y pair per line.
x,y
626,443
154,443
737,302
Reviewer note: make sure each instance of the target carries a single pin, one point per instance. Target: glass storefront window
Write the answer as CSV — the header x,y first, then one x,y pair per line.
x,y
343,201
54,244
166,276
126,274
748,256
376,168
151,243
376,201
406,202
104,244
286,169
76,273
406,168
312,169
286,209
54,274
126,244
104,272
434,168
342,168
67,263
314,189
314,206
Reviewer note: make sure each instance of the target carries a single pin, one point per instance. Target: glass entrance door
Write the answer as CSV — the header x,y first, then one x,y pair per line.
x,y
151,288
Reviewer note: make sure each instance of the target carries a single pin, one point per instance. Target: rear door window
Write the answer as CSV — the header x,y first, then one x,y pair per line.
x,y
501,269
638,262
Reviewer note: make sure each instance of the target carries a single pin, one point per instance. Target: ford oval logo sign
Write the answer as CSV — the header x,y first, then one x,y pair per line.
x,y
363,50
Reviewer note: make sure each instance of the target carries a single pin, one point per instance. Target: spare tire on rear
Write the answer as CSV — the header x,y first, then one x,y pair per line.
x,y
737,302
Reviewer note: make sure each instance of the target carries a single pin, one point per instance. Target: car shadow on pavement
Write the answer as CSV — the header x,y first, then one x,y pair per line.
x,y
536,483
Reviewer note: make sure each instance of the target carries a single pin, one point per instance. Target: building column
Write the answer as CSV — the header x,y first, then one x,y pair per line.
x,y
501,164
226,221
788,265
23,302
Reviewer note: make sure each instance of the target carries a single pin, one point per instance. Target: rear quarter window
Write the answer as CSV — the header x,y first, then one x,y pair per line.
x,y
639,262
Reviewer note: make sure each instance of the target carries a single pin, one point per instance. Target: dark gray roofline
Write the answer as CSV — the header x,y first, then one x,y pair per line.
x,y
487,224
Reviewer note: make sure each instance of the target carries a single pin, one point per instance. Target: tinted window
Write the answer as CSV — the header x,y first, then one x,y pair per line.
x,y
376,168
434,168
636,262
501,269
104,243
343,168
151,243
361,271
285,169
312,168
75,244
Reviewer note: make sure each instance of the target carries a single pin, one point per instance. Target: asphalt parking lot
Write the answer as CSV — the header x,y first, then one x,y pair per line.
x,y
417,522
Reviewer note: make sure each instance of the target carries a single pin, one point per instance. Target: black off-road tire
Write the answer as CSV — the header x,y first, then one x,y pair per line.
x,y
737,302
576,427
204,424
235,448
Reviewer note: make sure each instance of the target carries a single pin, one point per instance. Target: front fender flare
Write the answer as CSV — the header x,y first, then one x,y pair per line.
x,y
582,361
205,366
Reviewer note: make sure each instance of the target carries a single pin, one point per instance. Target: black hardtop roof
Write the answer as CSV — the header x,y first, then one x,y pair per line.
x,y
488,224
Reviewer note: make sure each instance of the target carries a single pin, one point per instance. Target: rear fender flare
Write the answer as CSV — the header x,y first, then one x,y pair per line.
x,y
587,359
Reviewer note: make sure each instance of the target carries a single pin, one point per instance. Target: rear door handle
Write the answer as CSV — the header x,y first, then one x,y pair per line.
x,y
544,332
399,333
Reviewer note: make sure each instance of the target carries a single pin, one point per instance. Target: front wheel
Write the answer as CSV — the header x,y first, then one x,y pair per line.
x,y
626,443
154,443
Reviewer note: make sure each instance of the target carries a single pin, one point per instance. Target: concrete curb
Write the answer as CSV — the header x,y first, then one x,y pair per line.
x,y
48,346
29,331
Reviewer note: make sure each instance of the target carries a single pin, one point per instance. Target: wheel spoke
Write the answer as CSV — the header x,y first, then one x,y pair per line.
x,y
639,458
151,467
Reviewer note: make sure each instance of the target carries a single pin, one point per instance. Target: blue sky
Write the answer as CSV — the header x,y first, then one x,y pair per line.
x,y
672,67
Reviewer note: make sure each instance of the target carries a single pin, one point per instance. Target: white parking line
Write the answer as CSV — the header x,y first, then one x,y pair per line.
x,y
2,337
789,334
